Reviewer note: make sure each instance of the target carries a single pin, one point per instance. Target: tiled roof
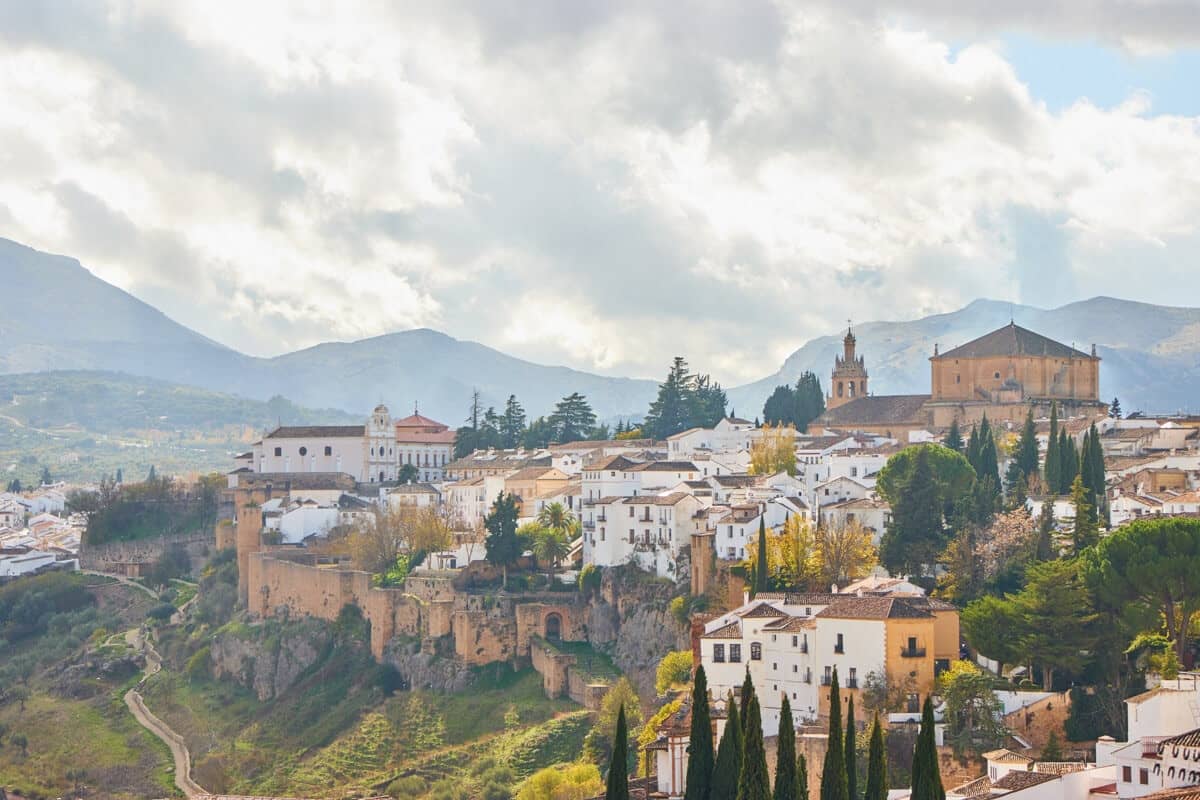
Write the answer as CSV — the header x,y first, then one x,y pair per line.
x,y
1004,756
1012,340
879,410
314,431
762,610
1182,793
529,473
425,437
1189,739
418,421
665,466
790,625
612,463
1017,780
980,787
1059,767
873,607
731,631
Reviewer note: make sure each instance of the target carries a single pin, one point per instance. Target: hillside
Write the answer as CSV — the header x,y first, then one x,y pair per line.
x,y
1151,354
81,425
66,318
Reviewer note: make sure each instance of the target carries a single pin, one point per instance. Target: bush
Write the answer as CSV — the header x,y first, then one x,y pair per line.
x,y
589,579
199,666
161,612
675,669
409,787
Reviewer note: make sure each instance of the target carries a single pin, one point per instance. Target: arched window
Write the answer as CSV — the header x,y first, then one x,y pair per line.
x,y
839,388
303,451
852,388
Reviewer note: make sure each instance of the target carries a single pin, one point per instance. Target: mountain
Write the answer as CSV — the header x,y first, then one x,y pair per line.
x,y
62,317
1150,354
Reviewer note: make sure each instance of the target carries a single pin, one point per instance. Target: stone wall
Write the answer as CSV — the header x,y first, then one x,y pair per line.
x,y
132,558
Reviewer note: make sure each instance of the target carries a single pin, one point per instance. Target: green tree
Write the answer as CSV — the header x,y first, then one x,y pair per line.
x,y
916,536
1056,617
620,698
786,787
1026,454
700,742
952,474
549,547
674,670
1045,549
408,473
877,785
1052,752
1114,409
573,419
1068,461
834,785
728,768
1085,532
973,713
747,696
926,772
512,424
19,741
754,782
953,440
989,625
850,753
669,413
466,438
802,778
47,479
762,574
502,545
1153,564
1054,485
617,786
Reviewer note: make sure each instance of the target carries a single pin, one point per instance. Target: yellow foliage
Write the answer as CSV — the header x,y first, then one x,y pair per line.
x,y
845,552
570,782
775,451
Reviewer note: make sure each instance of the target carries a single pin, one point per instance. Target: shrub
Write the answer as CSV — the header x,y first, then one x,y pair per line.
x,y
675,669
161,612
199,665
409,787
589,579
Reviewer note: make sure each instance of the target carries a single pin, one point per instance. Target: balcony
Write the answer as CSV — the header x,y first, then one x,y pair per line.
x,y
804,648
826,680
839,649
852,683
912,652
808,677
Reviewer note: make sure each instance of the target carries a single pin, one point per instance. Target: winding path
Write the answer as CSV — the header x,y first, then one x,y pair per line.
x,y
137,707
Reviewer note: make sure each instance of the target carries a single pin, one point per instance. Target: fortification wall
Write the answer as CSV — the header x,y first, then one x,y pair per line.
x,y
131,558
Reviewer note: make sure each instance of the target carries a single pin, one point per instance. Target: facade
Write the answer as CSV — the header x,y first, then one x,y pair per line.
x,y
426,444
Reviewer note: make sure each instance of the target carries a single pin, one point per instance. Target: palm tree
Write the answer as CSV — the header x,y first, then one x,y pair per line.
x,y
557,517
550,547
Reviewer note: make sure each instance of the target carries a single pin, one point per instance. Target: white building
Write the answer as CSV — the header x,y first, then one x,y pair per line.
x,y
1168,710
647,530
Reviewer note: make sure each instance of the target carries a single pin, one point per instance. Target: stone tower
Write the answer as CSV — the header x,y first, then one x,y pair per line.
x,y
381,446
849,375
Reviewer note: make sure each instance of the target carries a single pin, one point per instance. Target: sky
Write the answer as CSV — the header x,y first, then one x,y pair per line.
x,y
604,183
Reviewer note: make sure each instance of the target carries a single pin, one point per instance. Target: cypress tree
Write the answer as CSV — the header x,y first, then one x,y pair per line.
x,y
926,773
877,787
761,576
1026,456
1045,536
973,449
989,460
1053,462
833,774
850,754
747,696
802,778
785,755
728,769
617,787
754,783
1068,460
700,742
953,438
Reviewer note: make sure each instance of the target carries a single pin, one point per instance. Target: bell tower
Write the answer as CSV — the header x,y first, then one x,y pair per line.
x,y
849,380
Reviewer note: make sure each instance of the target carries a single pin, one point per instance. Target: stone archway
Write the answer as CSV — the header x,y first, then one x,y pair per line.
x,y
552,627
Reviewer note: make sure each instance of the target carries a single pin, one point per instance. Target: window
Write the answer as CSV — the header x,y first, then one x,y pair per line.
x,y
631,535
719,653
631,511
840,647
1127,774
913,704
958,378
996,375
602,533
775,666
278,451
328,451
795,667
1143,776
853,682
303,451
795,641
735,654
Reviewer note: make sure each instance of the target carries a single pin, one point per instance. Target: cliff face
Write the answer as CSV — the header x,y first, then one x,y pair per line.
x,y
268,658
421,670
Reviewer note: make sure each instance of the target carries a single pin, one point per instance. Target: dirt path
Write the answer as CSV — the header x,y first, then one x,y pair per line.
x,y
122,579
137,707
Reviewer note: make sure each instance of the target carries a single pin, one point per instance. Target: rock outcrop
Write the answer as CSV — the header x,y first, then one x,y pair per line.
x,y
422,670
270,657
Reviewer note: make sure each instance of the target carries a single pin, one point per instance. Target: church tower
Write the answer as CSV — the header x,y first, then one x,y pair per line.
x,y
849,375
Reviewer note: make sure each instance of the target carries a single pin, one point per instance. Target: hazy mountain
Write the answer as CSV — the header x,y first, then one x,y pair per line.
x,y
61,317
1151,354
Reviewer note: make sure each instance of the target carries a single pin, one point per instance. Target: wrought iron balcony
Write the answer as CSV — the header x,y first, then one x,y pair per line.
x,y
912,652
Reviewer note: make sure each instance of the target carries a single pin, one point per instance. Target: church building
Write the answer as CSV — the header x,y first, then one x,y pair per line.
x,y
1001,374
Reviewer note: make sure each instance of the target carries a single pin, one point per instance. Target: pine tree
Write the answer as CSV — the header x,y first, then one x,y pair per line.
x,y
953,438
786,787
1045,538
754,782
1114,410
1026,455
1052,752
926,773
728,768
833,774
700,742
150,478
617,787
1085,532
1053,461
761,576
802,778
877,788
512,424
915,537
850,753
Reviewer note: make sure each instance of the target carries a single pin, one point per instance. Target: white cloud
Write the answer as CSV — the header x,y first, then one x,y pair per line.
x,y
602,185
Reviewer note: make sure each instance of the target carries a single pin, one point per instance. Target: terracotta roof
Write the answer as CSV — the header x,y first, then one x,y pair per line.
x,y
980,787
1189,739
1004,756
425,437
418,421
665,466
731,631
529,473
874,607
1012,340
734,481
1181,793
879,410
790,625
612,463
801,598
762,610
1018,779
314,431
1060,767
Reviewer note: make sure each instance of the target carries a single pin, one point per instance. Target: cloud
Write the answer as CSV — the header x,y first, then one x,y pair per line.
x,y
597,184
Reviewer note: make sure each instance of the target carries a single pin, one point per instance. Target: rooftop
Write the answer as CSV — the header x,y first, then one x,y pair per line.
x,y
1012,340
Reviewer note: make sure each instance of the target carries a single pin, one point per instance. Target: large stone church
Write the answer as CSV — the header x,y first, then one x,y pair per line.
x,y
1001,374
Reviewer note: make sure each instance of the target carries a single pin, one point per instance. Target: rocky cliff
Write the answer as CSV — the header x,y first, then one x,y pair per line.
x,y
268,657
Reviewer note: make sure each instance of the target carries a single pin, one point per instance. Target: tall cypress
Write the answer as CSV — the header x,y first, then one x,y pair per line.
x,y
877,788
1068,459
728,768
747,696
761,576
953,438
785,755
754,783
1026,455
802,778
700,742
833,774
850,754
1053,462
926,773
617,787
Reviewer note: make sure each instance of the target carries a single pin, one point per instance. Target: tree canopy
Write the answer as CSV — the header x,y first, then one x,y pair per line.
x,y
795,405
684,401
